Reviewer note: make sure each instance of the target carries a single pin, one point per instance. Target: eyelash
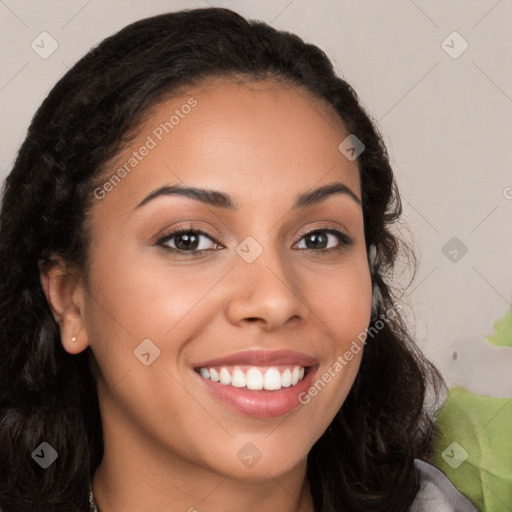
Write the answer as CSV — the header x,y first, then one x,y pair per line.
x,y
343,239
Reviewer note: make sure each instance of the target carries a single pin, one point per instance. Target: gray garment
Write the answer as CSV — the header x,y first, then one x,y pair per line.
x,y
437,493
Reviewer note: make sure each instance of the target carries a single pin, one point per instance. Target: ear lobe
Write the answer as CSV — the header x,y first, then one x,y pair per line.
x,y
65,296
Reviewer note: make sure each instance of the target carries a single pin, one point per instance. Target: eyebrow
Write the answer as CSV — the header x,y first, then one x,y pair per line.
x,y
222,200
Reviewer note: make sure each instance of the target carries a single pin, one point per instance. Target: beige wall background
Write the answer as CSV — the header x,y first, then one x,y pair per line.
x,y
437,78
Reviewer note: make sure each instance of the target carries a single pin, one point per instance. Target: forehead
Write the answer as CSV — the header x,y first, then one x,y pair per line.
x,y
244,137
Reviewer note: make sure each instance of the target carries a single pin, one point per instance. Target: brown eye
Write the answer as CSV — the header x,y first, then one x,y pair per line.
x,y
187,240
319,240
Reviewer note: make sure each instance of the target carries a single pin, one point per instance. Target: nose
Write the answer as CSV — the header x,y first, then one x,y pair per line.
x,y
265,292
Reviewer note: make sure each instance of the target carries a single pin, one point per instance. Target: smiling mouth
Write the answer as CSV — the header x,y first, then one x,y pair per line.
x,y
269,378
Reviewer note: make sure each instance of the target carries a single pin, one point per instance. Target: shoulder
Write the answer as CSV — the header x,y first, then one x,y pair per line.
x,y
437,493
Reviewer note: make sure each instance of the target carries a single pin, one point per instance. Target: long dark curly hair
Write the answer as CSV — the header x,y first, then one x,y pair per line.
x,y
365,459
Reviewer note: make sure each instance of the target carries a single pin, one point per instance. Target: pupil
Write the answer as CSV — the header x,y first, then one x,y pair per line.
x,y
316,236
186,238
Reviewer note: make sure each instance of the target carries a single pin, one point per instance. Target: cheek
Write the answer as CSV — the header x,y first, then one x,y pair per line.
x,y
144,299
342,300
343,306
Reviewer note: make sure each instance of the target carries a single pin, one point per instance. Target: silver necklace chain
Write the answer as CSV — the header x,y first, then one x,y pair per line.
x,y
92,502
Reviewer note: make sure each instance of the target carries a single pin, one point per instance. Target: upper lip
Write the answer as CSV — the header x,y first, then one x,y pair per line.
x,y
262,357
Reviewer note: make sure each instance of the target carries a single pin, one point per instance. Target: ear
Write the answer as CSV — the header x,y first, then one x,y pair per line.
x,y
66,297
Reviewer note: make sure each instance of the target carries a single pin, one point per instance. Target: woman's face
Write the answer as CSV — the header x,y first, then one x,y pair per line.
x,y
255,287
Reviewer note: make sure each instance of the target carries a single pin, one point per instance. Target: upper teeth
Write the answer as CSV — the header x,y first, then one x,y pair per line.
x,y
254,377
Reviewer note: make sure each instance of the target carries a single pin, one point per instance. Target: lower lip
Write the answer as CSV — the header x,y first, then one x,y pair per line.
x,y
260,403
